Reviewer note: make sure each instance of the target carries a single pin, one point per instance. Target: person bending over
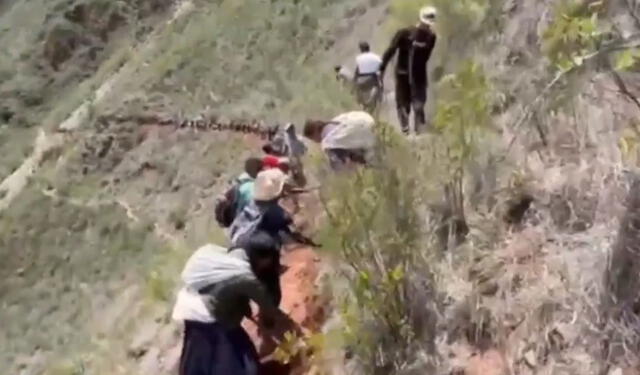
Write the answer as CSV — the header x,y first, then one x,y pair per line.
x,y
218,286
345,139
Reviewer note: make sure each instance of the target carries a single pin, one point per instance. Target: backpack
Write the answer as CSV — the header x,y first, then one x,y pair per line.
x,y
247,223
226,207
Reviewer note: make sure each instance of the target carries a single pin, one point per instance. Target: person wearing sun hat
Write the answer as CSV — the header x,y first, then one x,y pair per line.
x,y
265,213
414,45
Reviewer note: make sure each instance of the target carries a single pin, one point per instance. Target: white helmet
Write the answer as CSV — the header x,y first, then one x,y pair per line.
x,y
428,15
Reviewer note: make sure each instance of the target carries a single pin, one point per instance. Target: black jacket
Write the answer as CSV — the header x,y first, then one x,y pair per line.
x,y
414,46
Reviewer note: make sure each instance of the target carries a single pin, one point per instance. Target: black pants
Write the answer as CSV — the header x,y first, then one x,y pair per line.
x,y
410,96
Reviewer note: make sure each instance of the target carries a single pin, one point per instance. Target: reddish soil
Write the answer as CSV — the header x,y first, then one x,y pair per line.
x,y
488,363
300,301
300,294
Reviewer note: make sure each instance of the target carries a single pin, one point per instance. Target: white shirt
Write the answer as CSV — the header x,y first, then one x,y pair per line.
x,y
368,63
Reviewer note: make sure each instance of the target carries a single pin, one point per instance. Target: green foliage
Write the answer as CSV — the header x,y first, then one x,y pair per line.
x,y
304,348
67,367
629,144
463,119
627,60
159,286
462,114
374,216
573,33
16,144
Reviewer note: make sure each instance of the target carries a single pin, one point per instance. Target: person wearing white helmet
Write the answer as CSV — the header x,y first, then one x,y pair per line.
x,y
414,46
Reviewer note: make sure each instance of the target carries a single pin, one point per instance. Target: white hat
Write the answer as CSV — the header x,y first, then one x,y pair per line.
x,y
269,184
428,15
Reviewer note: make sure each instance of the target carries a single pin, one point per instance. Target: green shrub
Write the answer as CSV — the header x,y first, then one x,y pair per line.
x,y
463,119
573,33
374,218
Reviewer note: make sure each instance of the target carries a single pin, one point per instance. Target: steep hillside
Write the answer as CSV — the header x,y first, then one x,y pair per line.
x,y
533,146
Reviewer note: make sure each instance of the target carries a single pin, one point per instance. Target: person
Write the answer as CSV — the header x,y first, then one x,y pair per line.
x,y
366,79
264,213
347,138
271,161
218,288
236,197
414,46
287,144
343,75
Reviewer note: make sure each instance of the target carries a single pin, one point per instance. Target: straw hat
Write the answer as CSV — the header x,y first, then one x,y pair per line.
x,y
269,184
428,15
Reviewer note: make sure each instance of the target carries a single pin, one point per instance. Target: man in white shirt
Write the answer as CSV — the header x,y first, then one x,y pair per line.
x,y
367,78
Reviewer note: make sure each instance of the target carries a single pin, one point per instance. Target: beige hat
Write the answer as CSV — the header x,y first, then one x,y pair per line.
x,y
269,184
428,15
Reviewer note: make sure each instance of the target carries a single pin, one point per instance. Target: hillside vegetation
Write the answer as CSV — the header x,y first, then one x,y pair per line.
x,y
491,245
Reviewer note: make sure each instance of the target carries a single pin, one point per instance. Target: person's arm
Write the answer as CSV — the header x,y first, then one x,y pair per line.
x,y
391,51
301,238
356,73
432,46
258,292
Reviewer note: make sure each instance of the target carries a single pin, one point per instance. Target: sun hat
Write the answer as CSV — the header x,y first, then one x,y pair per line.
x,y
428,15
269,184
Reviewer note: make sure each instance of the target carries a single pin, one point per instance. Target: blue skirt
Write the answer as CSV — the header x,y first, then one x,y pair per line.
x,y
211,349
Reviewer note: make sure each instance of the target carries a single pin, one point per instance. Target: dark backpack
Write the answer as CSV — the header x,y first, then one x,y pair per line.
x,y
226,208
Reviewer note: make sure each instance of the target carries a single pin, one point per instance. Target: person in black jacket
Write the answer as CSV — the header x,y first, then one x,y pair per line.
x,y
414,45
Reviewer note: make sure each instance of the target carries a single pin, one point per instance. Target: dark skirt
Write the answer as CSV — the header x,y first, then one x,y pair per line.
x,y
211,349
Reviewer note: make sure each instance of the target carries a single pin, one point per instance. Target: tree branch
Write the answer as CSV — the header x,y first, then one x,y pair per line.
x,y
633,7
528,110
623,88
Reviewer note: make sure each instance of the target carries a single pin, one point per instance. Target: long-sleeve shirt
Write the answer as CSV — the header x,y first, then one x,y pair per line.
x,y
414,46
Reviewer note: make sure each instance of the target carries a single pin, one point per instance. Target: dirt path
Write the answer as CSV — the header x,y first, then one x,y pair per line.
x,y
300,301
45,143
13,184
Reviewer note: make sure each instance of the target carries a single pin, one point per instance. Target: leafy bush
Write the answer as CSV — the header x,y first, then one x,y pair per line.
x,y
573,33
463,118
374,215
628,60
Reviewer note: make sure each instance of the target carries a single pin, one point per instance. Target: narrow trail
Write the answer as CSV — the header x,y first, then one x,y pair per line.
x,y
45,144
301,298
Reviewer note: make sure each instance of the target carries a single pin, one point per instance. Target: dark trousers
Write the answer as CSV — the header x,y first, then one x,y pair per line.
x,y
410,96
210,349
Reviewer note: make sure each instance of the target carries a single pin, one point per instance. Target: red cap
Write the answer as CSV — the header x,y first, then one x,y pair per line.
x,y
270,161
